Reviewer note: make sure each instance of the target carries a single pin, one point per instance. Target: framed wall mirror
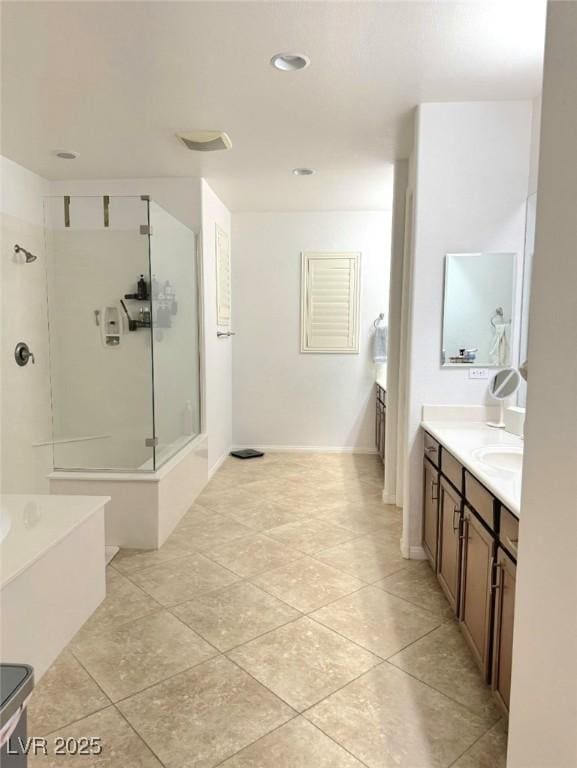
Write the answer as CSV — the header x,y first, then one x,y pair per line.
x,y
478,309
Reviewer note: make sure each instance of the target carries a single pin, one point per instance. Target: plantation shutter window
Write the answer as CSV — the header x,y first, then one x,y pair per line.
x,y
330,288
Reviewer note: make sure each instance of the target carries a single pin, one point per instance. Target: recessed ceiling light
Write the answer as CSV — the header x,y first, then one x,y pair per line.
x,y
303,171
66,154
290,62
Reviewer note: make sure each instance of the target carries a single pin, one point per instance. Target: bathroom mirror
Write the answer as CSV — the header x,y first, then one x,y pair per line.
x,y
478,309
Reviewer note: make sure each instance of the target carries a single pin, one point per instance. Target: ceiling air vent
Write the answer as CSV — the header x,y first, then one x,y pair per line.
x,y
205,141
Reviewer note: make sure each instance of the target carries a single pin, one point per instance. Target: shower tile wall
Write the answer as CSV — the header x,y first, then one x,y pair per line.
x,y
25,402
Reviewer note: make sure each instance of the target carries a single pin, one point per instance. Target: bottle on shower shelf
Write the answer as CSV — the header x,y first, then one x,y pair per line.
x,y
142,289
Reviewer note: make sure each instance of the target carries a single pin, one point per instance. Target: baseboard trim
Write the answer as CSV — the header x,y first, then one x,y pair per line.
x,y
218,464
417,553
389,498
307,449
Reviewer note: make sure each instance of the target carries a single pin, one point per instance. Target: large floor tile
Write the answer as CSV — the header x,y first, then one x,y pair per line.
x,y
303,662
65,693
307,584
142,653
379,622
366,558
205,529
444,661
234,615
349,493
182,579
310,535
489,752
121,746
270,514
418,585
253,554
360,517
226,501
177,545
202,716
124,602
298,744
389,720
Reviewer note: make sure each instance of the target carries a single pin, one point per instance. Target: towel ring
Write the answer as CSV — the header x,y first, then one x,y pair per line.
x,y
379,319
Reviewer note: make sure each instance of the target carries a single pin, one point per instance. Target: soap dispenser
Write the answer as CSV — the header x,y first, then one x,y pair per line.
x,y
111,327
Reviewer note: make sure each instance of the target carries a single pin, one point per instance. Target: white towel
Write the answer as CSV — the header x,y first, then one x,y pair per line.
x,y
380,344
499,350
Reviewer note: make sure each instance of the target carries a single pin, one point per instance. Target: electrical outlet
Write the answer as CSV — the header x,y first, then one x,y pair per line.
x,y
478,373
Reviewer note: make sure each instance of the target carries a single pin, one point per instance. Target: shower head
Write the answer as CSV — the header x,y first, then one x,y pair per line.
x,y
29,256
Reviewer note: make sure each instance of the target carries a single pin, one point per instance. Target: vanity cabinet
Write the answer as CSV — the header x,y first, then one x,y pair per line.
x,y
380,421
449,541
503,626
477,567
471,541
430,511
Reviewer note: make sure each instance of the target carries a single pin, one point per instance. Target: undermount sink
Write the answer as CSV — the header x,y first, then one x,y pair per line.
x,y
504,457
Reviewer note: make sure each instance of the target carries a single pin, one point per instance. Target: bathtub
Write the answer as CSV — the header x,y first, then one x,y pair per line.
x,y
145,506
51,573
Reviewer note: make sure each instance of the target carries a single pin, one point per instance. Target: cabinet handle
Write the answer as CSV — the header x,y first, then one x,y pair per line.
x,y
456,511
465,534
495,570
512,544
431,449
434,487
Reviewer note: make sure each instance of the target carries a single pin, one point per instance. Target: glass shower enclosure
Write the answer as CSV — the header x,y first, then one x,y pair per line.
x,y
123,313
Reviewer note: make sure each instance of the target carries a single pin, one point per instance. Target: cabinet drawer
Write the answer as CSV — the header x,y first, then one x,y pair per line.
x,y
432,449
480,499
452,470
509,531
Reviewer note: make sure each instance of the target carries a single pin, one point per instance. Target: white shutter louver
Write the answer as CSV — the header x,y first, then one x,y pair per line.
x,y
223,280
330,302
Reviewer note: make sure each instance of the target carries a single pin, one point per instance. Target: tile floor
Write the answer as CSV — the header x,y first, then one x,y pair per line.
x,y
278,627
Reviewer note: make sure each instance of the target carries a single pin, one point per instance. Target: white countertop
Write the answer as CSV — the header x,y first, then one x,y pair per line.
x,y
31,524
463,438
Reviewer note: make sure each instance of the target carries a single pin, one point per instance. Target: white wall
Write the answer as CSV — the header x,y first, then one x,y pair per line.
x,y
218,352
394,324
470,183
25,409
281,397
544,685
535,144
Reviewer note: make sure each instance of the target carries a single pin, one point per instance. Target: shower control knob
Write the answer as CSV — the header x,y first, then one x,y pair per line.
x,y
22,353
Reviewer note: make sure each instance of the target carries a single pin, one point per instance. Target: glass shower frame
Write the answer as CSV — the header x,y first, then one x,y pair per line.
x,y
152,387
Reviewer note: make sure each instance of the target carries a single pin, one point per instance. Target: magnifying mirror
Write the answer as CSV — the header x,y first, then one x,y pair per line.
x,y
504,384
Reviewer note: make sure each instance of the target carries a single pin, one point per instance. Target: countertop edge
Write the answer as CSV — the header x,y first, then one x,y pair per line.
x,y
94,504
436,430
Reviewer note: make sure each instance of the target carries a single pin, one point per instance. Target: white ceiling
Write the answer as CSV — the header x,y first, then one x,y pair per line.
x,y
116,80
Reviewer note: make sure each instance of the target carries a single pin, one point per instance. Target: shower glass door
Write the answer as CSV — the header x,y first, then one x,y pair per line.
x,y
175,334
100,361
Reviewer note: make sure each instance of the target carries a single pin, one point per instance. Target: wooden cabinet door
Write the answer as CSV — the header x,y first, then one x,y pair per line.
x,y
503,632
430,511
448,550
383,431
478,551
